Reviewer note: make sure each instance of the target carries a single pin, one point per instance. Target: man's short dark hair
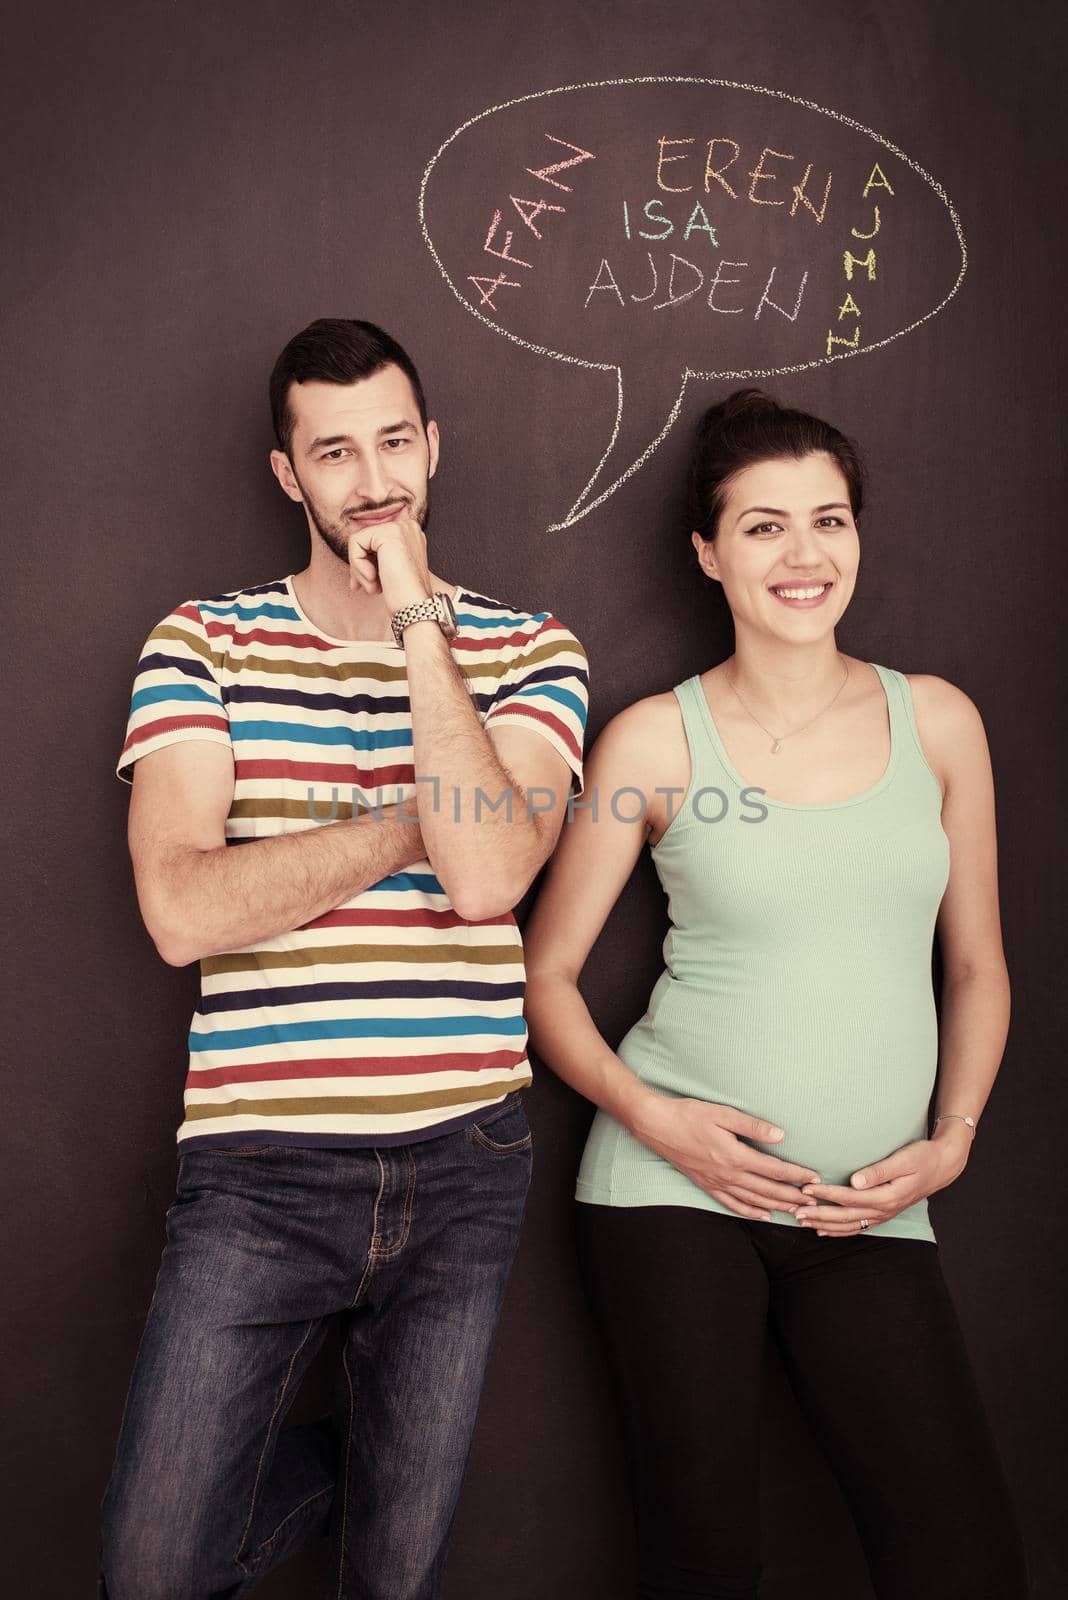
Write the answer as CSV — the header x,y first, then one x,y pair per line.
x,y
334,350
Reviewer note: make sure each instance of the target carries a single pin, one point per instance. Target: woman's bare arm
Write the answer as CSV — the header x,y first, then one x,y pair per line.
x,y
975,1007
583,880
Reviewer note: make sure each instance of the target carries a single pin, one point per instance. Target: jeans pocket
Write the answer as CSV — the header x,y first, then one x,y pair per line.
x,y
504,1129
239,1149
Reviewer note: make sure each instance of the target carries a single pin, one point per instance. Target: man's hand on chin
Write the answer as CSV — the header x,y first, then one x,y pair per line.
x,y
388,557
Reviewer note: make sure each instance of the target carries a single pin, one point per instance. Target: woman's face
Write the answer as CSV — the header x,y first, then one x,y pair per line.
x,y
786,525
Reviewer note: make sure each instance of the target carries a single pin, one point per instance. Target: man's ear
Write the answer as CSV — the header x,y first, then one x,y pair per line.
x,y
433,440
282,468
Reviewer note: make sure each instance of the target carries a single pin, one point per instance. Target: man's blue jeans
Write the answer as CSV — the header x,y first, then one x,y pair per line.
x,y
411,1245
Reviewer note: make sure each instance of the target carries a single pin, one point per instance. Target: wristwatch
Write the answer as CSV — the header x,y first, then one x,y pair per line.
x,y
436,607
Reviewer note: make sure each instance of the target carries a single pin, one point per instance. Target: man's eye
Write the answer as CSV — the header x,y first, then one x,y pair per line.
x,y
396,441
332,455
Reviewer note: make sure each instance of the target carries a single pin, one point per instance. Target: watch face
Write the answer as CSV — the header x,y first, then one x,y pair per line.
x,y
450,612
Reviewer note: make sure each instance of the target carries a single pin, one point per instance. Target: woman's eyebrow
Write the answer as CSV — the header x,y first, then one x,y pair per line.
x,y
835,505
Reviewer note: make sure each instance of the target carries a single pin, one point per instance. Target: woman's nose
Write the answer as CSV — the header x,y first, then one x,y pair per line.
x,y
804,549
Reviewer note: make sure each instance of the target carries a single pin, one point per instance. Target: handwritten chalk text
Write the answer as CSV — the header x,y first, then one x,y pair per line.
x,y
715,169
529,212
852,263
680,280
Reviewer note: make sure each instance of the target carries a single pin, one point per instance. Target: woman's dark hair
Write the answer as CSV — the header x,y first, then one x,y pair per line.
x,y
334,350
749,426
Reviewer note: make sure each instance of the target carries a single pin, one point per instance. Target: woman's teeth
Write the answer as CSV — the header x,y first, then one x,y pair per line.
x,y
799,594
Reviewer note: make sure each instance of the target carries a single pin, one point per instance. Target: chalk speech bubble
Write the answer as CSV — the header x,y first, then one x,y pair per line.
x,y
685,228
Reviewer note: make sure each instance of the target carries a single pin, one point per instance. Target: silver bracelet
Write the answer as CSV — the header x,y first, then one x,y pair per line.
x,y
956,1115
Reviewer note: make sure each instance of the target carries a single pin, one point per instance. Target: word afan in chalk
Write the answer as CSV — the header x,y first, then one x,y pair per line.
x,y
528,212
850,263
676,294
714,170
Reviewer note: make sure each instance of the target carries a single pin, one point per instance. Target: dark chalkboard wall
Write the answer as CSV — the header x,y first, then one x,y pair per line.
x,y
189,184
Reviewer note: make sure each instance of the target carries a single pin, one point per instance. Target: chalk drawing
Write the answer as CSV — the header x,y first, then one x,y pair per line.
x,y
586,501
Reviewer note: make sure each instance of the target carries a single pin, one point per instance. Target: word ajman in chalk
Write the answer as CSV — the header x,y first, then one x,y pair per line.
x,y
849,308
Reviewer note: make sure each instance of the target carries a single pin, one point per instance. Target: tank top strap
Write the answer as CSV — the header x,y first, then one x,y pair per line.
x,y
904,729
707,764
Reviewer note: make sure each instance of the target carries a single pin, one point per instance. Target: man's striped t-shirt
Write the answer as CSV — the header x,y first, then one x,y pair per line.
x,y
390,1018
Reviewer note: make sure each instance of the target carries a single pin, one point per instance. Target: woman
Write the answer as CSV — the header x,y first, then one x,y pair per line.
x,y
762,1153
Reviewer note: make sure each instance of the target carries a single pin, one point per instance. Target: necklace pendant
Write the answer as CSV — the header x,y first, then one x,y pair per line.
x,y
776,747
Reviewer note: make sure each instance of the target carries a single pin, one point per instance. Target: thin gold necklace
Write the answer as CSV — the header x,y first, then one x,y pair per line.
x,y
777,739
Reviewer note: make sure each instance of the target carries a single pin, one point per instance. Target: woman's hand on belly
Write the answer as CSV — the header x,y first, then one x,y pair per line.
x,y
882,1189
703,1140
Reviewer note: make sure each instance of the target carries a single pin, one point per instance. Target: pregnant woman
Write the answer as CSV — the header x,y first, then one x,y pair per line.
x,y
770,1129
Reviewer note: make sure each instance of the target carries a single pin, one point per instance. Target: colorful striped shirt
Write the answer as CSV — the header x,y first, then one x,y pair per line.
x,y
390,1018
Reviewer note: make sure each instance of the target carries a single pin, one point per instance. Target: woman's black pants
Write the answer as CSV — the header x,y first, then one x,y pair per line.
x,y
874,1353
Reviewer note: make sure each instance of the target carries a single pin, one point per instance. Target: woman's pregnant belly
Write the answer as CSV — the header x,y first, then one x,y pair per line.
x,y
848,1074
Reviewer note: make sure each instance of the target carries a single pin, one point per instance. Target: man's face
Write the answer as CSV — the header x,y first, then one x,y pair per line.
x,y
359,454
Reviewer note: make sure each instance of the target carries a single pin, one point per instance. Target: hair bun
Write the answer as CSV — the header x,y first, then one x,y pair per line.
x,y
751,426
748,403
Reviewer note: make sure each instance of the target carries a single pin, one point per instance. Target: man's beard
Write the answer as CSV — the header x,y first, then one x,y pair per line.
x,y
336,534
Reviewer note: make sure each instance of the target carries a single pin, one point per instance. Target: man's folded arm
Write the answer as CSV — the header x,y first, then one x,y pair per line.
x,y
199,896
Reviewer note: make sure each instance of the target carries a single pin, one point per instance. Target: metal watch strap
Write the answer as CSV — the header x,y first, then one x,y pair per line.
x,y
435,608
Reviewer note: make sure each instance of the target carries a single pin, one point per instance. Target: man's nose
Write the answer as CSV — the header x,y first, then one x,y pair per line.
x,y
372,479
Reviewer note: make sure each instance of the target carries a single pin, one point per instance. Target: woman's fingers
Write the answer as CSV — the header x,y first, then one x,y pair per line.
x,y
754,1190
740,1207
773,1197
836,1220
746,1197
883,1202
757,1164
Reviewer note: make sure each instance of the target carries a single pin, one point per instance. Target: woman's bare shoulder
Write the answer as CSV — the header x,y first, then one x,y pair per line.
x,y
641,739
650,707
941,703
948,722
654,716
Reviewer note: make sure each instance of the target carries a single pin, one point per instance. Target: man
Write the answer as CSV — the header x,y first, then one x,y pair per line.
x,y
354,1143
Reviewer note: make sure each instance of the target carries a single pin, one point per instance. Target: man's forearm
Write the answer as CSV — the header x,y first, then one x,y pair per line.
x,y
480,855
237,895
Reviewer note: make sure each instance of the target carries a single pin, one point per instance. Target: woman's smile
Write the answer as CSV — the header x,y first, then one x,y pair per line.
x,y
801,597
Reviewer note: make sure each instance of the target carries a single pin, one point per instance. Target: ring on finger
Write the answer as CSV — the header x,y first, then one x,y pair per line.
x,y
843,1229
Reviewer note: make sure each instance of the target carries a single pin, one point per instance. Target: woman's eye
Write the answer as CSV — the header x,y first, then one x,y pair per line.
x,y
762,527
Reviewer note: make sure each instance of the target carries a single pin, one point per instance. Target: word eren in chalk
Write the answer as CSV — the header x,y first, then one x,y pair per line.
x,y
528,212
757,175
877,179
697,222
606,281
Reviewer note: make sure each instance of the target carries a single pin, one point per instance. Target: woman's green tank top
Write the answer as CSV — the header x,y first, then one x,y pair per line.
x,y
797,969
